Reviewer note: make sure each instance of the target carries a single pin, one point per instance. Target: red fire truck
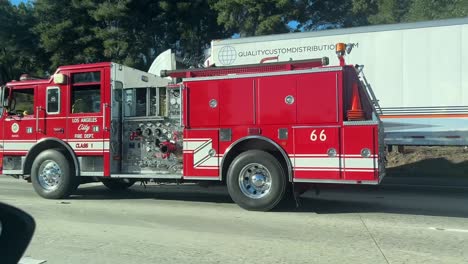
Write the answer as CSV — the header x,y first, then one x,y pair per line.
x,y
260,129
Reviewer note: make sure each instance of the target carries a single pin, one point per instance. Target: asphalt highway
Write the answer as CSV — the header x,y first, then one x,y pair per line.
x,y
398,222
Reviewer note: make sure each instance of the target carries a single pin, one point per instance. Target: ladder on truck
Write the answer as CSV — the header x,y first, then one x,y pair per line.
x,y
246,69
368,87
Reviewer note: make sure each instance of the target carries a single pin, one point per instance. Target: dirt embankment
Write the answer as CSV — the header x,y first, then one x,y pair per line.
x,y
429,161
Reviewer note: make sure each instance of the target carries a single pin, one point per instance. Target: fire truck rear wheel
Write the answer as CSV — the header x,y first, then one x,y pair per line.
x,y
52,175
256,181
118,184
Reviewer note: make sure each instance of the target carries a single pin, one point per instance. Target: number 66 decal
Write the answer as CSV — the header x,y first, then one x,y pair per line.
x,y
321,136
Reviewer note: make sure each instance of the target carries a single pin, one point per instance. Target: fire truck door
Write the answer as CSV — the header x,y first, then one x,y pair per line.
x,y
87,112
21,125
317,152
52,114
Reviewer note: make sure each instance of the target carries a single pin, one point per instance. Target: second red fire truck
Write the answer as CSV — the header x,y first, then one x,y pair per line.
x,y
259,129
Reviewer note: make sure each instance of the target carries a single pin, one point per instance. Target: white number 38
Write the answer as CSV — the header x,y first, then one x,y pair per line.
x,y
321,136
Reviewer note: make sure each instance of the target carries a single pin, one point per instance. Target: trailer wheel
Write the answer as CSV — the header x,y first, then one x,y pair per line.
x,y
256,181
118,184
52,175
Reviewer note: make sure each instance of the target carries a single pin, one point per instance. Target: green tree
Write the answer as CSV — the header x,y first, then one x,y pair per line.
x,y
379,11
330,14
18,52
352,13
6,49
191,25
113,29
431,9
132,32
258,17
397,11
66,31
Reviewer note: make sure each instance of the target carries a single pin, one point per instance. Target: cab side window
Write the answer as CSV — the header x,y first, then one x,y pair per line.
x,y
86,92
22,101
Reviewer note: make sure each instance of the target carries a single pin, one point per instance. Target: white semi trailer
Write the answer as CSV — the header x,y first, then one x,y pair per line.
x,y
418,71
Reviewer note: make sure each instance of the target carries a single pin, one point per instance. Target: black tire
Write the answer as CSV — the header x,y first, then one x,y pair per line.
x,y
118,184
66,183
244,164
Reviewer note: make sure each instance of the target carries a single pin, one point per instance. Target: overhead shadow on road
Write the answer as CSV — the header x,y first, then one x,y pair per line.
x,y
333,199
164,192
411,200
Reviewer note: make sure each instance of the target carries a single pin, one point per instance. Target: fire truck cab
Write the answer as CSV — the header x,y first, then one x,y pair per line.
x,y
257,128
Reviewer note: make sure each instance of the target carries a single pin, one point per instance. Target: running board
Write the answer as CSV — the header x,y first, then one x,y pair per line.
x,y
147,176
356,182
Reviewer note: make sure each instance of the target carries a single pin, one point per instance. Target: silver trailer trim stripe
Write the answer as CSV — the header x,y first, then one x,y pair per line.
x,y
425,110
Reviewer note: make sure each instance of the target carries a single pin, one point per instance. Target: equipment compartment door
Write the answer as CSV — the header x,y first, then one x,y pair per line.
x,y
317,153
202,104
201,158
360,152
276,98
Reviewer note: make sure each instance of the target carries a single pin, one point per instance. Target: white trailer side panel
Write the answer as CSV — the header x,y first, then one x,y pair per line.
x,y
464,62
418,71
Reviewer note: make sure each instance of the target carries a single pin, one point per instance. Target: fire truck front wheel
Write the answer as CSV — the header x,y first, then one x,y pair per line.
x,y
52,175
256,181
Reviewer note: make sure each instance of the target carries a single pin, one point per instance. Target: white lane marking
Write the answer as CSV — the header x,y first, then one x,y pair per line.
x,y
449,229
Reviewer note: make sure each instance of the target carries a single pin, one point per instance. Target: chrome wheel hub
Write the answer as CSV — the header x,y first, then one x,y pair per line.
x,y
255,180
50,175
258,180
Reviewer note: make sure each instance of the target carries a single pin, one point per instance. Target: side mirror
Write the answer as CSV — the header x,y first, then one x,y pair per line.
x,y
4,93
16,231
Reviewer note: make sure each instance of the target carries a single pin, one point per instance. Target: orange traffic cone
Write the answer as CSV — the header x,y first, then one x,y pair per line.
x,y
356,113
